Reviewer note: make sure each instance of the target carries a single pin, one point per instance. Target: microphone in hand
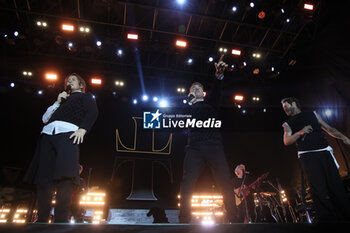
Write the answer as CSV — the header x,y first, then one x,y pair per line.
x,y
190,97
68,90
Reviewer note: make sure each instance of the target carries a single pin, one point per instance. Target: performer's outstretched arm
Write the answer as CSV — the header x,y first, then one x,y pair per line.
x,y
333,132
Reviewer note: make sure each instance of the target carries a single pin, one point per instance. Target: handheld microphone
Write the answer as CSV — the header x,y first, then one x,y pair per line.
x,y
190,97
68,90
303,137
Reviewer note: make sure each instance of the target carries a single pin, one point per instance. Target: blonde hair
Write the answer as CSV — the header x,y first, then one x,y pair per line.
x,y
241,166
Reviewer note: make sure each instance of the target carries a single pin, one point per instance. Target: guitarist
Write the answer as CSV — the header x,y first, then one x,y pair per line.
x,y
244,207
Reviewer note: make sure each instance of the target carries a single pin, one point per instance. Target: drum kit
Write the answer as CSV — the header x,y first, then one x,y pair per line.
x,y
271,206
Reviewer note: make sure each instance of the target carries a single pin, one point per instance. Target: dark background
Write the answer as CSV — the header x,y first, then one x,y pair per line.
x,y
320,79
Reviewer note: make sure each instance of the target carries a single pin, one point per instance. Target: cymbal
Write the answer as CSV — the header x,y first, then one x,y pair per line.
x,y
267,194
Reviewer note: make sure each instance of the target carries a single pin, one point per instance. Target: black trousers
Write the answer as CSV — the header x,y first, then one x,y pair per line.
x,y
327,188
211,153
58,169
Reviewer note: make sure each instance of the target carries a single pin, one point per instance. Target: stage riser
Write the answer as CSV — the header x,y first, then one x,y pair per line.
x,y
169,228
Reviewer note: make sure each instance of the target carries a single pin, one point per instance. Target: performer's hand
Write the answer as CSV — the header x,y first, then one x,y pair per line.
x,y
78,136
62,95
306,130
346,141
220,67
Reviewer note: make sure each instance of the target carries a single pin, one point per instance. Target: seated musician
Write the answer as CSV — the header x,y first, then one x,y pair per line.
x,y
241,188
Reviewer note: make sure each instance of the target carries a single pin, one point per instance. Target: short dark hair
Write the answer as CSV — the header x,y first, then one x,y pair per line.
x,y
81,81
290,100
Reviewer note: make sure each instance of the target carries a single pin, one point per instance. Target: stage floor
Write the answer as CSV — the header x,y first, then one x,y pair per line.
x,y
178,228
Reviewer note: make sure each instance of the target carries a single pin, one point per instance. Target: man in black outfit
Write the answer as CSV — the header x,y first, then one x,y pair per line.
x,y
55,164
204,147
304,128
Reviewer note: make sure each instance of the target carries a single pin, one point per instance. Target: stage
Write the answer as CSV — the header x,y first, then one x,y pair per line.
x,y
178,228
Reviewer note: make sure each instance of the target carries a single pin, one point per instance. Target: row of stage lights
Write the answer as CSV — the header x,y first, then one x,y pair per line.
x,y
238,99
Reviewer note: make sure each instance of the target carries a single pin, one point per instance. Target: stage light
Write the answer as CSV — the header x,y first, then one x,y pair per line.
x,y
5,35
244,111
328,112
256,55
4,215
96,81
155,99
67,27
236,52
120,52
222,50
244,63
184,101
181,90
114,93
51,76
288,20
210,59
41,23
234,9
239,97
282,10
163,103
189,61
308,6
239,106
261,15
145,97
256,98
20,216
12,85
264,110
181,2
131,36
70,44
98,43
272,69
40,92
134,101
256,71
119,83
15,33
84,29
251,4
181,43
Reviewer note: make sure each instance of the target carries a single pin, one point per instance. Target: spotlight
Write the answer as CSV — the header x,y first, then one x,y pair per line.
x,y
328,112
222,50
184,101
256,55
163,104
134,101
245,63
239,97
70,44
244,111
256,98
264,110
96,81
41,24
308,6
210,59
236,52
40,92
234,8
181,2
181,43
131,36
15,33
145,97
155,99
189,61
84,29
114,93
51,76
98,43
282,10
261,15
256,71
67,27
288,20
272,69
120,52
251,4
12,84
